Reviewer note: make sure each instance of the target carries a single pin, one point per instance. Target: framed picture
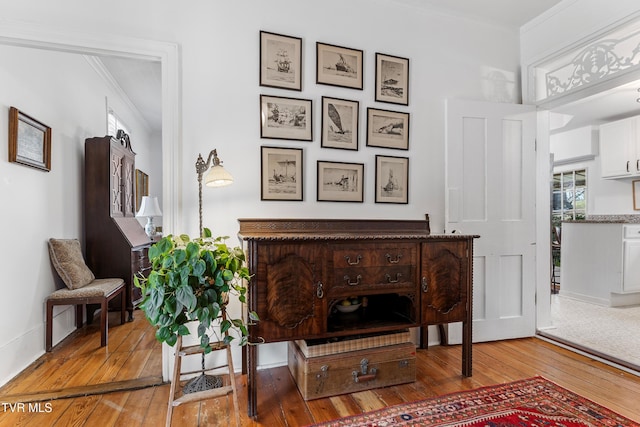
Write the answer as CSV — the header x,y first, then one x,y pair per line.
x,y
142,187
340,123
281,172
338,66
286,118
387,129
392,79
392,179
636,195
340,182
280,61
29,141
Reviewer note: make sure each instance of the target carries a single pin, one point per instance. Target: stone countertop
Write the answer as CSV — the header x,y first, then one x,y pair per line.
x,y
595,221
607,219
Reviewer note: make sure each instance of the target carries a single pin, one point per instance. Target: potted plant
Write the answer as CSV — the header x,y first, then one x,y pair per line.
x,y
191,280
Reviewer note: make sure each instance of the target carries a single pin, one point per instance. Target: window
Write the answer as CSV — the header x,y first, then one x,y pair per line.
x,y
569,200
114,123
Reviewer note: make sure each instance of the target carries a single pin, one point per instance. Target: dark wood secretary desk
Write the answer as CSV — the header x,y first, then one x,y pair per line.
x,y
303,267
117,245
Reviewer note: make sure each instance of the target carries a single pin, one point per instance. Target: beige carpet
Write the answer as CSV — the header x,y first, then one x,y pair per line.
x,y
613,331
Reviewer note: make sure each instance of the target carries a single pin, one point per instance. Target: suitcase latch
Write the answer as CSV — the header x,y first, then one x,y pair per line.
x,y
320,377
365,373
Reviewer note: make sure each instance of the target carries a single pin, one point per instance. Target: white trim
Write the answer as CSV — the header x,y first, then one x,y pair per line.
x,y
530,65
577,159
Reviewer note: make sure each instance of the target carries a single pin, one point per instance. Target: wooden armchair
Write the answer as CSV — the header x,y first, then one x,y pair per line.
x,y
82,288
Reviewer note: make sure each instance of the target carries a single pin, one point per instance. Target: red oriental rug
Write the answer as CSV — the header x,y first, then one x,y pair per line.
x,y
534,402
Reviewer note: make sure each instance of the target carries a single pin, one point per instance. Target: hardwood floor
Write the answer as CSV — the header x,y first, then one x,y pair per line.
x,y
80,384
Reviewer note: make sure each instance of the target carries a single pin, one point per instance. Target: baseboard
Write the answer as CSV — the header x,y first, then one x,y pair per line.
x,y
20,352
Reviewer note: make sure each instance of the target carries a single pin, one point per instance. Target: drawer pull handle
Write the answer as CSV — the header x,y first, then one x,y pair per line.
x,y
356,262
350,283
365,374
627,165
320,290
425,285
393,261
388,277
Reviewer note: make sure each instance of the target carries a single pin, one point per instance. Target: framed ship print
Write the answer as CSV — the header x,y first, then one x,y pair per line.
x,y
392,79
280,61
392,179
340,182
340,123
281,173
387,129
286,118
339,66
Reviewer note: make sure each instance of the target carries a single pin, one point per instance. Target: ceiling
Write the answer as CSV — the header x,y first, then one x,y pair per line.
x,y
507,13
141,80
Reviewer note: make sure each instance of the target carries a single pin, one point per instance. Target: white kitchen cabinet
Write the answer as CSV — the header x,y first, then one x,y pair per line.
x,y
620,148
631,265
600,262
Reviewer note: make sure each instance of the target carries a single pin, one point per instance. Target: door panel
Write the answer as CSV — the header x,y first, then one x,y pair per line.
x,y
490,179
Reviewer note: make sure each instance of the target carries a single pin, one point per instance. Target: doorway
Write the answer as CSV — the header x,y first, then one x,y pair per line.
x,y
579,192
56,39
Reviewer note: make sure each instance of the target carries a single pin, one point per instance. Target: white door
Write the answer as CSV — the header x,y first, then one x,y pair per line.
x,y
490,182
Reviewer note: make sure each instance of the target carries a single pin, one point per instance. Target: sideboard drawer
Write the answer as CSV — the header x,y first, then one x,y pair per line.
x,y
374,254
357,280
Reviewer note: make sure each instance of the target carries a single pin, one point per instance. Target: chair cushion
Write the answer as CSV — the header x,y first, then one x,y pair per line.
x,y
97,288
67,259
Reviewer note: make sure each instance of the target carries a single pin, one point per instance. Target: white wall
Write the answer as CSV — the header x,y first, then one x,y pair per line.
x,y
220,93
63,91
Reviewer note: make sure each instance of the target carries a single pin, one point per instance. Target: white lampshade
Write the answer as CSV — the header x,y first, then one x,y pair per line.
x,y
149,207
218,177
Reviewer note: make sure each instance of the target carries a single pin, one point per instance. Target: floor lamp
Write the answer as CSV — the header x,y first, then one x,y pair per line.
x,y
216,177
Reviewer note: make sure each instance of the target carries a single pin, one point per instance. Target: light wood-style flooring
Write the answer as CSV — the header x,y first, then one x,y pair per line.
x,y
81,384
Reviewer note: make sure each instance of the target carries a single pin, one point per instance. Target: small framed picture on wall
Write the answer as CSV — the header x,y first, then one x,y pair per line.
x,y
340,123
340,182
392,179
387,129
392,79
339,66
286,118
29,141
281,173
280,61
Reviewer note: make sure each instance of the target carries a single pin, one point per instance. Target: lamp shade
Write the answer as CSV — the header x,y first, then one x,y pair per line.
x,y
149,207
217,177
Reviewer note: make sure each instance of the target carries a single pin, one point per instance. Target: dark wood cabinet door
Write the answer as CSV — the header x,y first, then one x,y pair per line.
x,y
128,186
445,283
289,291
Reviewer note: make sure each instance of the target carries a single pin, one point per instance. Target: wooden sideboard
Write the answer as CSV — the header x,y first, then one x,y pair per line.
x,y
302,268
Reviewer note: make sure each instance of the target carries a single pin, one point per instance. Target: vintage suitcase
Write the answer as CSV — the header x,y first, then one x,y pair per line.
x,y
323,347
353,371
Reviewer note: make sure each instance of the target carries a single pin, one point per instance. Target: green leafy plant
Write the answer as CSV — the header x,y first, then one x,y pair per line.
x,y
191,280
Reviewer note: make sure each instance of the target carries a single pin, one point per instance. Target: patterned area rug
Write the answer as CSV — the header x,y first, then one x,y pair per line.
x,y
533,402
